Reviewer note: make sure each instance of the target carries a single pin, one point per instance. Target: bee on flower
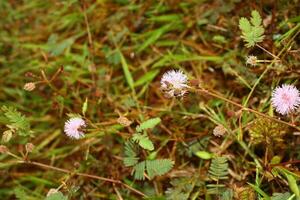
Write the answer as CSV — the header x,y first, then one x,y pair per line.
x,y
174,83
73,127
285,99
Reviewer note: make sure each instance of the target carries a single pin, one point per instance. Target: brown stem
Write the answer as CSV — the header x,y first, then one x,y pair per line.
x,y
83,174
244,108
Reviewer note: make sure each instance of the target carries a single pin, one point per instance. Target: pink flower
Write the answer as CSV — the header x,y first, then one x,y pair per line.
x,y
73,127
174,83
285,99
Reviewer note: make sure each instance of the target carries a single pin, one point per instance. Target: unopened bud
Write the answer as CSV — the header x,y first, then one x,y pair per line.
x,y
124,121
219,131
251,60
3,149
7,135
29,147
29,86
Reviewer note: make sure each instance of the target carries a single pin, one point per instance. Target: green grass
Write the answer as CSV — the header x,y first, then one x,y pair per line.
x,y
104,59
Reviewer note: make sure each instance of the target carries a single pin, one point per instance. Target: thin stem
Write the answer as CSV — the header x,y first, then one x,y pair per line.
x,y
244,108
276,57
48,82
269,66
258,81
82,174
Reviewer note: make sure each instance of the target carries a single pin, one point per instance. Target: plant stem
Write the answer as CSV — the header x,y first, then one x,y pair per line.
x,y
270,65
245,108
274,56
82,174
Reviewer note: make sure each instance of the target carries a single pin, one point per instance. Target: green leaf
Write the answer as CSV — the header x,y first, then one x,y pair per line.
x,y
149,124
293,184
260,191
17,121
184,188
204,155
146,78
126,71
139,170
154,36
130,158
281,196
218,168
20,194
143,141
57,48
84,106
56,196
227,195
254,32
255,19
244,25
158,167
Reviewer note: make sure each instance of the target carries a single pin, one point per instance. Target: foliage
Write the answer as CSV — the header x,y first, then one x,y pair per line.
x,y
218,169
197,145
143,141
246,193
227,195
56,196
130,158
149,124
281,196
266,131
20,194
153,168
253,32
103,61
184,188
158,167
17,122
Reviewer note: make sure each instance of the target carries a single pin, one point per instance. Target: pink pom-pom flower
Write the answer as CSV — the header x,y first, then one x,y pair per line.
x,y
174,83
285,99
73,127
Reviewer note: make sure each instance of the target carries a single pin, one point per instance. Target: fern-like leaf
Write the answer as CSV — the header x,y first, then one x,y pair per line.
x,y
130,158
17,121
218,169
245,25
184,188
158,167
144,141
227,195
256,18
153,167
139,170
150,123
281,196
253,32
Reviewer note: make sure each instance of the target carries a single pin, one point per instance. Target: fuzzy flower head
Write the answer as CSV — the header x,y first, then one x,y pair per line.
x,y
73,127
174,83
251,60
219,131
285,99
